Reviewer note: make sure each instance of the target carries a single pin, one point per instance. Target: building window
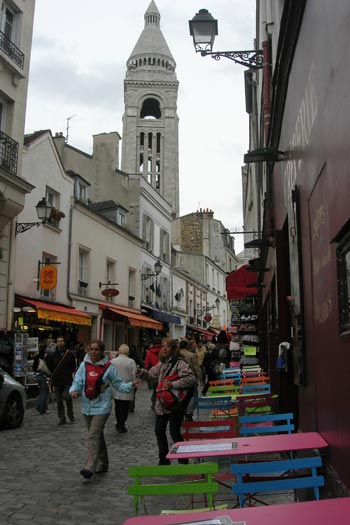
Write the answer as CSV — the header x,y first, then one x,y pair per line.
x,y
8,22
148,232
343,277
164,245
83,272
121,218
53,198
81,190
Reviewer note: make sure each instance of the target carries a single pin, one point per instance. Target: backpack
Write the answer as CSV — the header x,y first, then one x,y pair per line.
x,y
93,381
171,399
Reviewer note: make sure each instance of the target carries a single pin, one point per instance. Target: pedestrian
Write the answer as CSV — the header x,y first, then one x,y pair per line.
x,y
188,352
42,374
136,355
201,350
210,362
62,365
126,368
93,380
80,352
169,363
151,359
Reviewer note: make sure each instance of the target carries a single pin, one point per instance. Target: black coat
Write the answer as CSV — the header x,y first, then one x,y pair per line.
x,y
64,374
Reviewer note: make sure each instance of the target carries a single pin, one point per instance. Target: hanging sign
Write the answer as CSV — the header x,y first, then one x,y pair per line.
x,y
110,292
48,277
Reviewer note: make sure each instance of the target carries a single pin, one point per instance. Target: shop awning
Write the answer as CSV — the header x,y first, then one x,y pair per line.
x,y
237,284
55,312
136,319
207,335
164,317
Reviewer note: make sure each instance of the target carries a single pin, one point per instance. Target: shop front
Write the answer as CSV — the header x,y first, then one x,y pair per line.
x,y
119,324
41,322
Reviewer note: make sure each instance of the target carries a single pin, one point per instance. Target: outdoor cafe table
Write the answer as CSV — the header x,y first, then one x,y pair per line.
x,y
247,445
321,512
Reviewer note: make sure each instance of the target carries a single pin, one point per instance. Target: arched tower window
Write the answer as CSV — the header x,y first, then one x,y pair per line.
x,y
150,109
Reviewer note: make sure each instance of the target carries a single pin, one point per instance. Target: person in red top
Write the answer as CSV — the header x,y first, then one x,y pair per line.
x,y
151,359
152,355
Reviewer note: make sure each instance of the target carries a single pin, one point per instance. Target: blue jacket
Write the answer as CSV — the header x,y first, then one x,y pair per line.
x,y
103,403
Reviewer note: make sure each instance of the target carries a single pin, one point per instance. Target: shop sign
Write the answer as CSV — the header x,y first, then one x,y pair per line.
x,y
48,277
216,321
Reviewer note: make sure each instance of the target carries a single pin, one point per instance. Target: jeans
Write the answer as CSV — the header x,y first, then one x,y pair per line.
x,y
41,405
62,393
97,448
175,420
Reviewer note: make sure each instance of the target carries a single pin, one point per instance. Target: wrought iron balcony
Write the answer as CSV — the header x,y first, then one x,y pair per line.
x,y
11,50
8,153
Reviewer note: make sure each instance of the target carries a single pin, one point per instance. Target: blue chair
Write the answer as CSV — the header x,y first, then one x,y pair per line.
x,y
256,389
289,474
221,404
256,424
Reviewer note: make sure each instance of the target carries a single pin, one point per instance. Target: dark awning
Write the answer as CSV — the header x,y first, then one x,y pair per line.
x,y
164,317
237,283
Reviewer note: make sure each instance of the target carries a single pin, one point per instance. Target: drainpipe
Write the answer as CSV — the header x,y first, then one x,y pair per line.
x,y
267,88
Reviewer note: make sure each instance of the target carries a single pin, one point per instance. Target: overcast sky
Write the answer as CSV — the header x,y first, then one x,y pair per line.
x,y
78,65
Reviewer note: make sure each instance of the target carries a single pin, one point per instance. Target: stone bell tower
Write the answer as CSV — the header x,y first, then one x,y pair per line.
x,y
150,122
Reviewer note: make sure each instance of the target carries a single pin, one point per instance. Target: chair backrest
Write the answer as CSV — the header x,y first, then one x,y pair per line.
x,y
222,382
204,485
221,403
256,404
231,373
255,380
229,390
266,424
209,429
256,389
291,475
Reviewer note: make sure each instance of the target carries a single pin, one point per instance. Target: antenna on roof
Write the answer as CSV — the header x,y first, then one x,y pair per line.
x,y
67,129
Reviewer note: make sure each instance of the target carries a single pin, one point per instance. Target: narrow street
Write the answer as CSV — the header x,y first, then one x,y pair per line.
x,y
40,464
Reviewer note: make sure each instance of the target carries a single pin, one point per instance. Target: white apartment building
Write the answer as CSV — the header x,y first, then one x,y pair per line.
x,y
16,27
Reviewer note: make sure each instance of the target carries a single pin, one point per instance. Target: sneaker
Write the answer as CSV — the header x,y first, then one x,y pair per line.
x,y
62,422
87,474
45,412
72,419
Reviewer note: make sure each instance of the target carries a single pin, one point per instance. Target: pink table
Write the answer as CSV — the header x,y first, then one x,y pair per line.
x,y
247,445
322,512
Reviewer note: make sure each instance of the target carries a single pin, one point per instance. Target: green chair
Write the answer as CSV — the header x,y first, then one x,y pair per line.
x,y
200,480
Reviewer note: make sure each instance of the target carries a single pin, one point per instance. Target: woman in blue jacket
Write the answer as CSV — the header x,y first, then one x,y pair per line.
x,y
93,381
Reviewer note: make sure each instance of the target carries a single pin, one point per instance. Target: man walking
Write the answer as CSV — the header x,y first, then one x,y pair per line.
x,y
61,364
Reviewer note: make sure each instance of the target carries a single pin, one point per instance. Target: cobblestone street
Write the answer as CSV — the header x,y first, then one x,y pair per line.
x,y
40,464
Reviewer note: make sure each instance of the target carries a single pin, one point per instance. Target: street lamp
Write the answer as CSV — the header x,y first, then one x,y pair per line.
x,y
43,210
204,28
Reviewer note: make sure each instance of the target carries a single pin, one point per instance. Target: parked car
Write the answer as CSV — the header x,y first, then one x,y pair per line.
x,y
12,401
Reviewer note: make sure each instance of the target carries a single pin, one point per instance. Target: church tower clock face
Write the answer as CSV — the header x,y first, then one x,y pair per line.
x,y
150,122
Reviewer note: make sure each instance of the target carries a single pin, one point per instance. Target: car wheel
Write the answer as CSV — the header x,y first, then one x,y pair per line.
x,y
13,412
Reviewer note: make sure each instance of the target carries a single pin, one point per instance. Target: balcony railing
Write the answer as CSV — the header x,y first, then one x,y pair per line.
x,y
8,153
11,50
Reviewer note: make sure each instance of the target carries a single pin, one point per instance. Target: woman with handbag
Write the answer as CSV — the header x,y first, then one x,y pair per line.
x,y
42,373
170,365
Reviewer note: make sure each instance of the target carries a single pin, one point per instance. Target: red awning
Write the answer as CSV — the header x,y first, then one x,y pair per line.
x,y
136,319
237,281
55,312
207,335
